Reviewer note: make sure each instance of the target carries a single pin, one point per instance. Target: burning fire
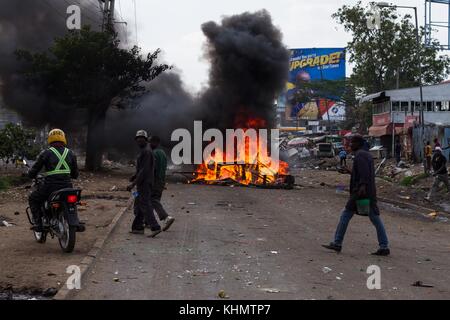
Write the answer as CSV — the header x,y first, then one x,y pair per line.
x,y
249,165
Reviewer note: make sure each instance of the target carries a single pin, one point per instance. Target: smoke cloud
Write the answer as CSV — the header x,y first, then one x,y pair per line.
x,y
249,66
33,25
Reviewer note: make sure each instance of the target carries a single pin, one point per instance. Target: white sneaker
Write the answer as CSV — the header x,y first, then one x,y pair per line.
x,y
167,223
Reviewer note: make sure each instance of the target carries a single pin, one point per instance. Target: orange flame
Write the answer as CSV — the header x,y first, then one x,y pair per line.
x,y
252,167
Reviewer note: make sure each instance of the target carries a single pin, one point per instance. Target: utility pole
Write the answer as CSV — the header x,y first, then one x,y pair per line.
x,y
107,7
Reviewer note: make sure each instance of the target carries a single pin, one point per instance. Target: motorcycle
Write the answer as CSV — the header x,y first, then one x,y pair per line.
x,y
59,216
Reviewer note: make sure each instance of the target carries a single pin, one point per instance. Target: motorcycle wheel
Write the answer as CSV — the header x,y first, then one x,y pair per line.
x,y
41,237
68,237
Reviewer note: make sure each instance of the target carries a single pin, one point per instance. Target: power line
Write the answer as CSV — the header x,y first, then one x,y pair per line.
x,y
135,21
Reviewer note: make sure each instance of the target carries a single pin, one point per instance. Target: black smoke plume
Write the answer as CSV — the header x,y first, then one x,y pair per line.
x,y
33,25
249,66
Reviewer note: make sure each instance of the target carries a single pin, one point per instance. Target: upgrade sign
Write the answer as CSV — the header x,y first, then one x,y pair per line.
x,y
306,67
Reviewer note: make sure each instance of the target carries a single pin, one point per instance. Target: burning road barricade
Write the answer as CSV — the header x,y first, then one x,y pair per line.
x,y
244,161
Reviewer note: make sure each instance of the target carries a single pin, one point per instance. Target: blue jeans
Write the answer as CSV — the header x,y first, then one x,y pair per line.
x,y
347,215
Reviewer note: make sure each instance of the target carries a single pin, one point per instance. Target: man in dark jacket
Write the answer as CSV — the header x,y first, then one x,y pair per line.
x,y
143,181
160,183
440,173
362,186
60,166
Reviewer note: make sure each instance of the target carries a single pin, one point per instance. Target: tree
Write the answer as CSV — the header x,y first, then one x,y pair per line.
x,y
88,70
380,55
17,142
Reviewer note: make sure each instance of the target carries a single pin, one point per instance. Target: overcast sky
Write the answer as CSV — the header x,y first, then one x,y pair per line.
x,y
174,26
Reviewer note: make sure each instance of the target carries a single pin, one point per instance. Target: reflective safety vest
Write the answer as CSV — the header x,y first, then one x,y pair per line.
x,y
62,163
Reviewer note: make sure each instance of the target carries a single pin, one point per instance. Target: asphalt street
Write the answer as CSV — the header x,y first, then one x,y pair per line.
x,y
251,243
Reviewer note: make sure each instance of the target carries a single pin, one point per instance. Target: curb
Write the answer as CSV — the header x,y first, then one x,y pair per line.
x,y
86,264
421,211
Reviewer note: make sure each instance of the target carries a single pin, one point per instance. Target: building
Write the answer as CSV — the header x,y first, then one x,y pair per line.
x,y
397,112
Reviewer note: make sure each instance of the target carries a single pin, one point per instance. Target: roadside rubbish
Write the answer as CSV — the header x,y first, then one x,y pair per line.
x,y
420,284
340,189
222,295
4,223
271,290
433,214
326,270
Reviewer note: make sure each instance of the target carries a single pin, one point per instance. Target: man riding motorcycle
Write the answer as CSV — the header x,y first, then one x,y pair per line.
x,y
60,165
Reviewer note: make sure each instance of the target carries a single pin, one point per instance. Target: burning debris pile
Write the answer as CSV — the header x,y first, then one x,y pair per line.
x,y
249,64
249,165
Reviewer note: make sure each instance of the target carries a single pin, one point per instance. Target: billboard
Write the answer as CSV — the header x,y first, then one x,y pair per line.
x,y
308,67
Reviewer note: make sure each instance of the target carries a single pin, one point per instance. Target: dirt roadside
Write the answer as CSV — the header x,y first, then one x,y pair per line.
x,y
30,268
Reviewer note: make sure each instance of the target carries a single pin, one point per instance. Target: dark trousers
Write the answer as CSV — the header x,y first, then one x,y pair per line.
x,y
343,162
143,211
38,197
157,192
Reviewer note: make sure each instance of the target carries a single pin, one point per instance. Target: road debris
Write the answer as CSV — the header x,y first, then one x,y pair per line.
x,y
271,290
326,270
222,295
420,284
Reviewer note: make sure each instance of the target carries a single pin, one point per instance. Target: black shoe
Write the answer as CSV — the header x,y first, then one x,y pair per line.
x,y
167,223
333,246
382,252
154,233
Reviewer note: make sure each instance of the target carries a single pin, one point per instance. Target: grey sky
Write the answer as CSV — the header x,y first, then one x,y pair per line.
x,y
174,26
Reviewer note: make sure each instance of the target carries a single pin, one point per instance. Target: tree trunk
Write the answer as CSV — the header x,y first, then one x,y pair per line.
x,y
95,141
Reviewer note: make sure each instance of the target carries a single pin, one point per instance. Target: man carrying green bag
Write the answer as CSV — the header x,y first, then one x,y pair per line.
x,y
363,198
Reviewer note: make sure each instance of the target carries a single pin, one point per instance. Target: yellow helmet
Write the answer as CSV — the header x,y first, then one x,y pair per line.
x,y
56,135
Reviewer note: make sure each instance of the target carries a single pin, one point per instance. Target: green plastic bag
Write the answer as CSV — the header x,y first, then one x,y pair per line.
x,y
363,207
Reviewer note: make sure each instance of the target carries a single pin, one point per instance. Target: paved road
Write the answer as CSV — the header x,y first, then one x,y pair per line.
x,y
266,244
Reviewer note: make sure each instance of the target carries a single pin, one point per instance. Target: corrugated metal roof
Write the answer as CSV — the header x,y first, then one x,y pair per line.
x,y
438,92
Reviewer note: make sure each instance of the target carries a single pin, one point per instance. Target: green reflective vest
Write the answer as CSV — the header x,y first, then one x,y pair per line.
x,y
62,163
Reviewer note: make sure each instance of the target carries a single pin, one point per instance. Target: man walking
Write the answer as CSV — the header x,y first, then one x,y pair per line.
x,y
428,155
362,186
440,173
159,185
143,181
343,157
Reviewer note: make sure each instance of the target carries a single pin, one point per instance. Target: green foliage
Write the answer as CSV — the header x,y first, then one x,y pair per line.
x,y
409,181
89,70
379,55
8,181
16,141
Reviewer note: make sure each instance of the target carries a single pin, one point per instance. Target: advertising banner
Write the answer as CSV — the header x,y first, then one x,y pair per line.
x,y
311,71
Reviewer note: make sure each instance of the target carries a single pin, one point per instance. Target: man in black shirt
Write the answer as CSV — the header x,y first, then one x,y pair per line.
x,y
143,181
362,186
440,173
